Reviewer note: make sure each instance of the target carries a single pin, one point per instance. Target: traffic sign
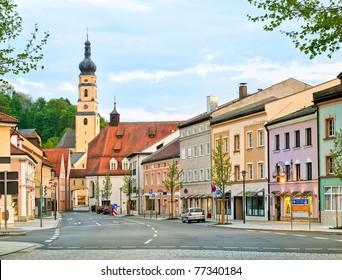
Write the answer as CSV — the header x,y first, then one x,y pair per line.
x,y
218,192
115,206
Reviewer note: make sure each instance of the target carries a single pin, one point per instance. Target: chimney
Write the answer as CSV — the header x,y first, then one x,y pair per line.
x,y
242,90
212,103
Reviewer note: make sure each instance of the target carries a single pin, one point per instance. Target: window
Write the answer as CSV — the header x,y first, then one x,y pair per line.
x,y
276,143
250,171
188,179
86,93
208,174
201,150
201,175
236,143
261,170
208,148
237,173
113,164
330,127
225,144
158,178
255,206
195,150
287,172
249,140
261,138
189,152
194,173
308,137
125,165
330,198
297,139
297,166
309,171
164,175
278,172
287,141
330,165
182,153
85,121
146,179
152,179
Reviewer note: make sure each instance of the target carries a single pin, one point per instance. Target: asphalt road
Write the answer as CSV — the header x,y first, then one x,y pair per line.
x,y
84,235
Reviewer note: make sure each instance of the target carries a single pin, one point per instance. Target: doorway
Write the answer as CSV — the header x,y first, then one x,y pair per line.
x,y
238,208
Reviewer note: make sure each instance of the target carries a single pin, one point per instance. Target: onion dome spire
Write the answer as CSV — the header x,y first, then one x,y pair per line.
x,y
87,66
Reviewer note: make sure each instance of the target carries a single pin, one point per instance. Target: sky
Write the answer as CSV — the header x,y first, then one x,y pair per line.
x,y
160,59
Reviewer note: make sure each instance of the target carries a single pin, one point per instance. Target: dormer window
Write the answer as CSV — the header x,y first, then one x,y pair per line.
x,y
125,164
151,132
113,164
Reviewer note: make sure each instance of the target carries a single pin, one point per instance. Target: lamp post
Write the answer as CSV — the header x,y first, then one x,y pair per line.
x,y
120,201
244,196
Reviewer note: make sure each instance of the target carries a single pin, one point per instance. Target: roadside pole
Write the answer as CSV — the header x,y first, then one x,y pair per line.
x,y
5,200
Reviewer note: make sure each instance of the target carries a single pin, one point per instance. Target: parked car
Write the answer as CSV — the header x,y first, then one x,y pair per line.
x,y
99,209
106,210
193,214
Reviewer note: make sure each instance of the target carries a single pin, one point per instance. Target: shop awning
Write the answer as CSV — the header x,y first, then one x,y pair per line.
x,y
254,192
292,194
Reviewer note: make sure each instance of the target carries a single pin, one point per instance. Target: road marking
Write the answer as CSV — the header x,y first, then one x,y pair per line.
x,y
230,247
250,230
299,235
210,247
56,247
318,237
291,248
263,231
313,249
280,233
47,241
339,240
167,247
90,247
73,247
155,231
155,235
152,228
250,248
189,246
335,249
148,241
271,248
128,247
97,223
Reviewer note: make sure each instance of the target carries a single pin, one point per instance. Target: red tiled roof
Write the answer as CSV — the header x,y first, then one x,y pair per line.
x,y
54,156
135,136
7,119
77,173
169,151
15,151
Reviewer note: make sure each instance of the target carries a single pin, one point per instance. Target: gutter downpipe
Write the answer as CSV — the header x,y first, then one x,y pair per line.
x,y
268,171
319,166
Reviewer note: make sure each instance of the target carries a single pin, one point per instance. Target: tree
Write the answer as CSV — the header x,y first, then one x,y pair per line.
x,y
127,189
336,153
173,181
221,170
320,23
11,60
107,187
97,192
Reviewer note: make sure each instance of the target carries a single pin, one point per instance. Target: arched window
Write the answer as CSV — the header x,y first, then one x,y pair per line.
x,y
86,93
85,121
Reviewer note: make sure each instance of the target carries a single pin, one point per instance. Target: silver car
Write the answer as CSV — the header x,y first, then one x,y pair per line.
x,y
193,214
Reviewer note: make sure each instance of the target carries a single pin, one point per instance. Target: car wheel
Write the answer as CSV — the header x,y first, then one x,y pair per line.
x,y
188,221
183,221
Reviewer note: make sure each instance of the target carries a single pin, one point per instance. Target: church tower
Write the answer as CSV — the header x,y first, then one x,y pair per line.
x,y
87,116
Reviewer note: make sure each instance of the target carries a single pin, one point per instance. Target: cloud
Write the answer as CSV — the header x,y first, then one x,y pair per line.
x,y
123,5
67,86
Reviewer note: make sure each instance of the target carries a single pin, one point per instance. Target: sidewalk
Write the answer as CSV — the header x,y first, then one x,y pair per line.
x,y
20,228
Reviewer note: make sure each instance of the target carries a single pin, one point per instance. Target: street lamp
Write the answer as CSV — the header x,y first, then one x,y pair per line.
x,y
120,201
244,196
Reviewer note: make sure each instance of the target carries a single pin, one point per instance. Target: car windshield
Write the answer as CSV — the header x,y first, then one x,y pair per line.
x,y
196,210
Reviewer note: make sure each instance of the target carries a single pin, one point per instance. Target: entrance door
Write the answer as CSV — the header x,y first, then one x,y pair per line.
x,y
277,208
238,208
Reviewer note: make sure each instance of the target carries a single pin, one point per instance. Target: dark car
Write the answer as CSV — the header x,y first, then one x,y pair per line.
x,y
99,209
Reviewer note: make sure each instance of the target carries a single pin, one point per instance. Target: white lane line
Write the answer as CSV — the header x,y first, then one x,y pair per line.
x,y
73,247
128,247
47,241
313,249
339,240
152,228
291,248
148,241
167,247
210,247
250,248
280,233
230,247
299,235
334,249
189,246
318,237
155,231
271,248
155,235
264,231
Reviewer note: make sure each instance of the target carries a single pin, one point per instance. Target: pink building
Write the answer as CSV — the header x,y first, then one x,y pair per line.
x,y
293,166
